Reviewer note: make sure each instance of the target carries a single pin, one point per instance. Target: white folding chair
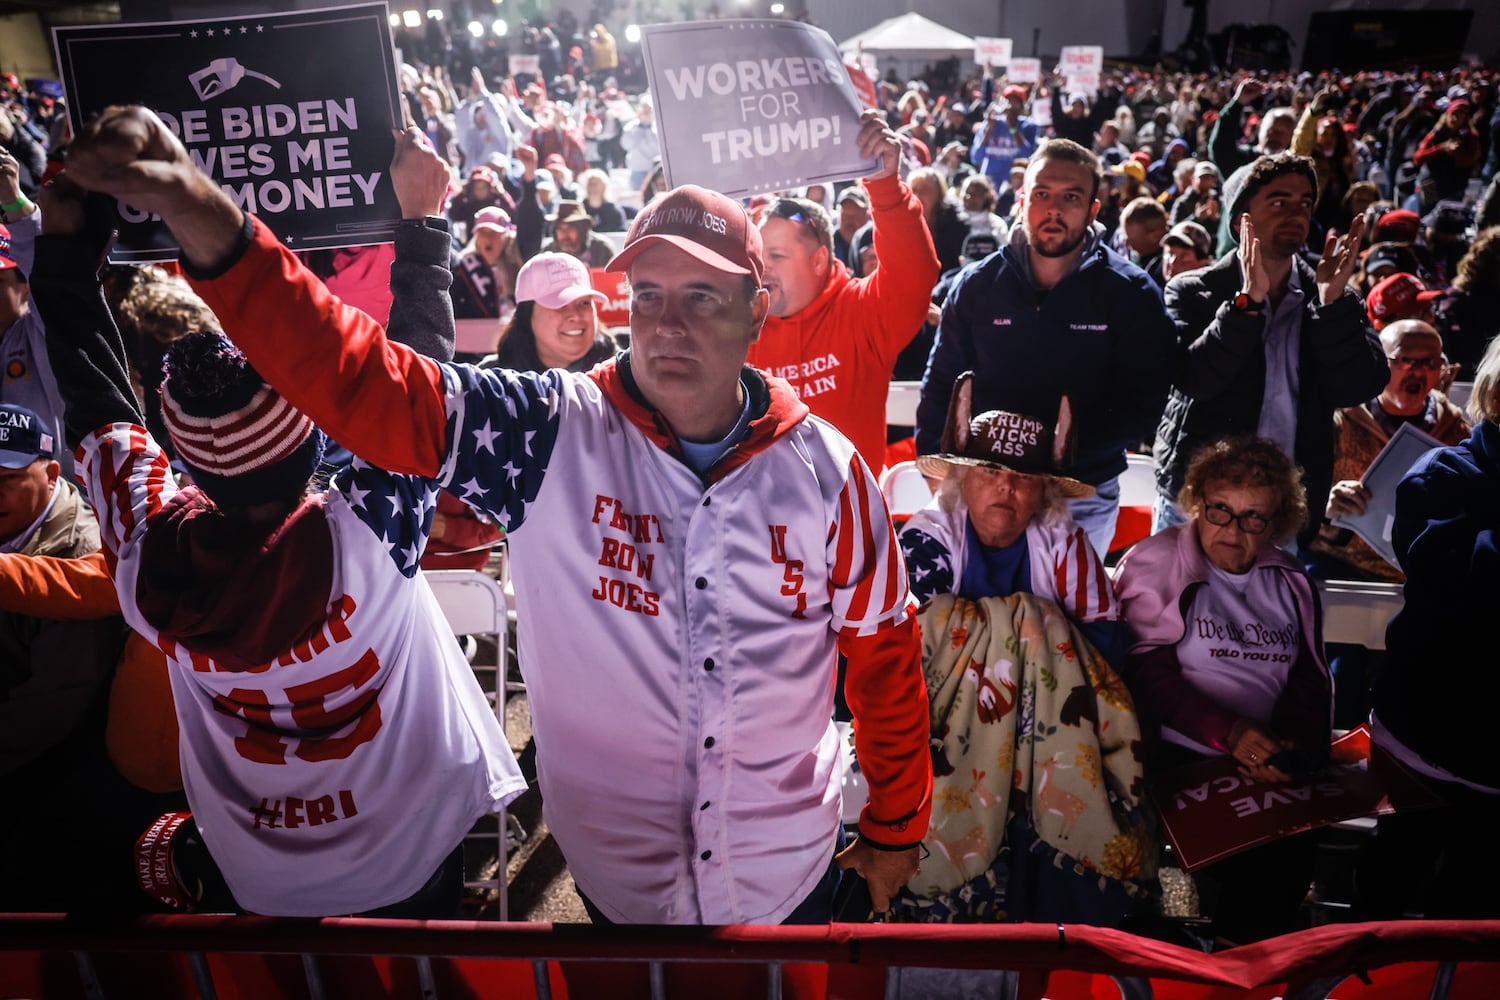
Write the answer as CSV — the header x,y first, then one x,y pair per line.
x,y
905,490
475,604
1357,612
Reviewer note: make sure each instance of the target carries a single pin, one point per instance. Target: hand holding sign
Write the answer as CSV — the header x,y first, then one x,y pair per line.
x,y
876,141
129,154
419,174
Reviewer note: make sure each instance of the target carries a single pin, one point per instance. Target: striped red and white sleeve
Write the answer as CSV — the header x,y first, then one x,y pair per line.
x,y
883,683
1083,587
127,478
867,572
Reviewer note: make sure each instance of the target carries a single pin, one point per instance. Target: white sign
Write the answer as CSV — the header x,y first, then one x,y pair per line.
x,y
526,64
1024,70
1082,82
991,51
1082,65
1082,57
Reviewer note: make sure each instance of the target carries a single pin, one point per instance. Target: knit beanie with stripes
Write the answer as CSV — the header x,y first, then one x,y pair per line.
x,y
241,439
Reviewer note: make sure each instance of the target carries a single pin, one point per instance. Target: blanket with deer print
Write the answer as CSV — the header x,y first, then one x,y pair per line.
x,y
1034,734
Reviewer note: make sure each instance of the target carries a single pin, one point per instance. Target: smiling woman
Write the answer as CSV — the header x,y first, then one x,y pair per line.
x,y
555,324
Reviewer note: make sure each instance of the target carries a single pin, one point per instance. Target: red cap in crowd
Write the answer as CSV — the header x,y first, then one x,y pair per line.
x,y
1400,296
1014,91
704,224
1399,224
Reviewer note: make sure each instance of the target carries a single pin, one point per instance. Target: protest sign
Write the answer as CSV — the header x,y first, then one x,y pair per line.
x,y
1400,453
615,285
991,51
1024,70
290,113
1210,811
530,65
864,85
746,106
1081,67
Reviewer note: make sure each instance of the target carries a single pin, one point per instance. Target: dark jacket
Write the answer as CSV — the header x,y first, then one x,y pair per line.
x,y
1219,373
1101,335
54,673
1438,688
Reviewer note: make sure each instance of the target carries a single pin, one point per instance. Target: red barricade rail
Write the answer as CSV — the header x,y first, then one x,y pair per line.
x,y
54,956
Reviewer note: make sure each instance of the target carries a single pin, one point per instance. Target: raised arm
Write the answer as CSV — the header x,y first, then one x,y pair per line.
x,y
85,349
380,400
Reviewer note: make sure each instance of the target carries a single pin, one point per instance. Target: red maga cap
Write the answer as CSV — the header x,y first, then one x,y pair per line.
x,y
705,225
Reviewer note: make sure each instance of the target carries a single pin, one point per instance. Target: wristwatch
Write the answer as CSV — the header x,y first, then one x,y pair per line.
x,y
1245,304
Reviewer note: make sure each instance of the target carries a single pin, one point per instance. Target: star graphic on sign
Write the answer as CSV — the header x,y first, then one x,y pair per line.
x,y
259,28
484,438
210,32
193,34
244,30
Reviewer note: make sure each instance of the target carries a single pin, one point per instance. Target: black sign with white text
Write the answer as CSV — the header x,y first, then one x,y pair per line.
x,y
290,113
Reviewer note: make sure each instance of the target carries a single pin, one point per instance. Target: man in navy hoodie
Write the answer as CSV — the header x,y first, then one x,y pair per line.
x,y
1057,312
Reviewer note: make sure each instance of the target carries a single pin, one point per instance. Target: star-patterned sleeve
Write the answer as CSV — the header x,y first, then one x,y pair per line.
x,y
929,565
397,508
502,427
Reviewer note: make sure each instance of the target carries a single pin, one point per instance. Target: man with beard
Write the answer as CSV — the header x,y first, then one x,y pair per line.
x,y
1057,313
1266,344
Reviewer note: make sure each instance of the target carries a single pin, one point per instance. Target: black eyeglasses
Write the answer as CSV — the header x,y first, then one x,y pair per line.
x,y
1250,522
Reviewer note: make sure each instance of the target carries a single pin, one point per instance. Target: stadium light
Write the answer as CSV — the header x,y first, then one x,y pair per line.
x,y
395,20
633,33
476,29
500,27
778,8
434,15
411,18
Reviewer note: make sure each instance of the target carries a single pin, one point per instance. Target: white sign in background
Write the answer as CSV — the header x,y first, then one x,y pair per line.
x,y
1024,70
991,51
1082,65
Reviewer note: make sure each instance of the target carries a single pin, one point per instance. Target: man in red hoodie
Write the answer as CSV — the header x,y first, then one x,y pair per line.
x,y
834,336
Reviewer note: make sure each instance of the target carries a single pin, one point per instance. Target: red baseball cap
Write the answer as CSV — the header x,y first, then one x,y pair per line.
x,y
705,225
1401,224
1400,296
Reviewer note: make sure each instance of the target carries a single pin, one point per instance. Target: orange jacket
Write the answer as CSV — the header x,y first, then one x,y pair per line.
x,y
839,350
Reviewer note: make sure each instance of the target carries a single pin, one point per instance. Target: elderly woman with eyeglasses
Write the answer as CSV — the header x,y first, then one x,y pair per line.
x,y
1228,658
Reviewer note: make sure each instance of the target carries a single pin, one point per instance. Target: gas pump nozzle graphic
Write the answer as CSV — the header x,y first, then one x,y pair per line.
x,y
221,76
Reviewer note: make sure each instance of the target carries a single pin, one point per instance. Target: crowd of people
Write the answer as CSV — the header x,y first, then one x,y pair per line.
x,y
220,482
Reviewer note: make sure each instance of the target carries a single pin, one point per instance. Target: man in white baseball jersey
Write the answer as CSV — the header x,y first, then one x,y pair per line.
x,y
691,550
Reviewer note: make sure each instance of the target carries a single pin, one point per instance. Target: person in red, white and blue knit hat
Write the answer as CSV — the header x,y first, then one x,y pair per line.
x,y
336,745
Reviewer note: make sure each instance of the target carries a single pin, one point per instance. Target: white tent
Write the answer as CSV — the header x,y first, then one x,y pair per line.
x,y
910,36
